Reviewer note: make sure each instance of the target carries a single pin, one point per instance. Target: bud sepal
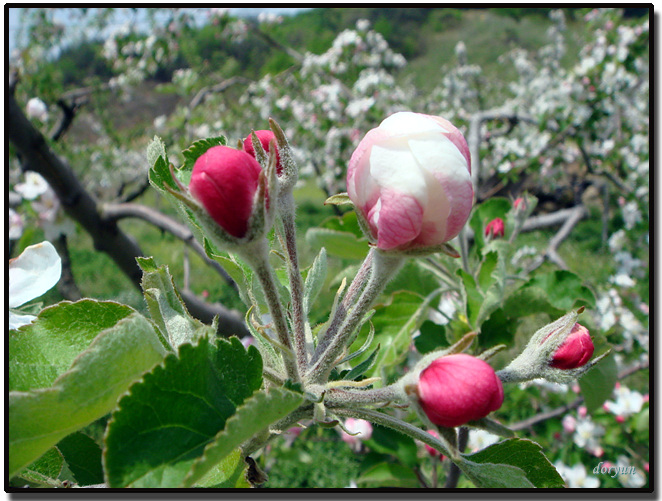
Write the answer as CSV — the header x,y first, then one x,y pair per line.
x,y
549,354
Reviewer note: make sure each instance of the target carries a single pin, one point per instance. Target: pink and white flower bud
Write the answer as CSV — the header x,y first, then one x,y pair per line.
x,y
459,388
576,350
410,180
360,430
495,228
224,181
265,137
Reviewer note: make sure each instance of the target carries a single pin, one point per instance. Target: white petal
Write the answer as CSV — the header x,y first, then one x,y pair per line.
x,y
16,320
396,168
31,274
406,122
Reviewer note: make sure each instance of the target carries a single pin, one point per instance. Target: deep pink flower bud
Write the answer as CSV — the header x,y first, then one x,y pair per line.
x,y
265,137
410,180
458,388
431,450
495,228
576,350
519,203
224,181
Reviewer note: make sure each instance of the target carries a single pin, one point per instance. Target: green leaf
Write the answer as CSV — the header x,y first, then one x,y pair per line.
x,y
45,470
338,243
166,306
432,337
227,474
495,476
160,177
413,276
156,149
163,425
388,441
338,199
389,475
564,290
473,299
252,417
195,151
362,367
83,456
395,322
492,286
117,357
240,272
314,280
46,348
525,455
598,383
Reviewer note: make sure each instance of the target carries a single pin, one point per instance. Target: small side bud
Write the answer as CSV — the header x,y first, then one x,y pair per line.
x,y
559,352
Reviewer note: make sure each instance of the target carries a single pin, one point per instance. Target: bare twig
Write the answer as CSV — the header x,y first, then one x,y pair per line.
x,y
551,253
560,411
78,204
114,212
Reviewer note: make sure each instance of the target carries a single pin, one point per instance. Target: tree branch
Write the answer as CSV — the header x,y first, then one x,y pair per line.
x,y
82,207
115,212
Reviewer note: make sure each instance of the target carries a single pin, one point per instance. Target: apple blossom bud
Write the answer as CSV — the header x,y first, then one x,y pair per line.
x,y
560,352
359,430
224,181
265,137
431,450
410,181
459,388
495,228
519,203
576,350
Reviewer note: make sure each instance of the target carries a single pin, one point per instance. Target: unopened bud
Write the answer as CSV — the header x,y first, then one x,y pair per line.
x,y
495,228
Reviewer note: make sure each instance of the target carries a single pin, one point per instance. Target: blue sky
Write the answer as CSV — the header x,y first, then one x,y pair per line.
x,y
199,13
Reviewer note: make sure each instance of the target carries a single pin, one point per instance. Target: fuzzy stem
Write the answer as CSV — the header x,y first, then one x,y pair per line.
x,y
355,288
344,397
257,255
398,425
296,283
383,269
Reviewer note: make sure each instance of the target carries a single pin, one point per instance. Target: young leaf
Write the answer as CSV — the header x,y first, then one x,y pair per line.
x,y
495,476
473,299
41,351
252,417
432,337
45,470
341,244
389,475
314,280
230,473
89,390
395,322
83,457
525,455
166,306
196,150
598,384
163,425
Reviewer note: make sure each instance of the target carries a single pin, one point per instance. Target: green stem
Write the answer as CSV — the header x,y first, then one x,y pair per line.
x,y
345,397
398,425
383,269
355,288
296,283
257,255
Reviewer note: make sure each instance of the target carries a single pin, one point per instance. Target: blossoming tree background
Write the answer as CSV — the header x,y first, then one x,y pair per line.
x,y
556,130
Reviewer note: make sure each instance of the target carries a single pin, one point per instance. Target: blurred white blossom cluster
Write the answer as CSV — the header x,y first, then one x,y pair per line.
x,y
334,98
